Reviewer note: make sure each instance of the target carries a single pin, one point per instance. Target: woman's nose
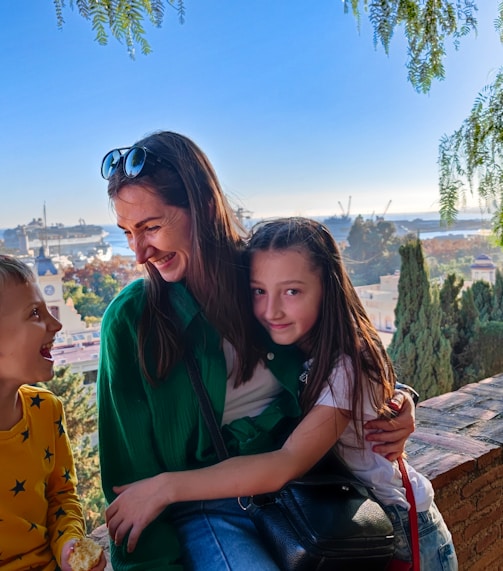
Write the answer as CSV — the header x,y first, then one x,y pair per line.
x,y
142,250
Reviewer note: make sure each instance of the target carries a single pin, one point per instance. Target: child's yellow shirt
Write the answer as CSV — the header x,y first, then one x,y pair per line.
x,y
39,507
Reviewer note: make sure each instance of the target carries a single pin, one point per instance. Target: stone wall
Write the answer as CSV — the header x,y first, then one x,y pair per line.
x,y
458,445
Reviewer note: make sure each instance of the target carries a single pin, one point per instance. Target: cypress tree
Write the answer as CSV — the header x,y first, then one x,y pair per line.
x,y
449,297
497,313
483,299
467,364
419,351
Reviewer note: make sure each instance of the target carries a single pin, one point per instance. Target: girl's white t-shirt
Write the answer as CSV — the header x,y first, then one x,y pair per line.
x,y
373,469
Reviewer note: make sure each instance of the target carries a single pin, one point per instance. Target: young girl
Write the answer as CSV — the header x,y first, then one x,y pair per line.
x,y
302,295
40,515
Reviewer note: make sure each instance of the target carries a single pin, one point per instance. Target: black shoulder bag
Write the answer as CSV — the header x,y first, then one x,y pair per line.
x,y
326,520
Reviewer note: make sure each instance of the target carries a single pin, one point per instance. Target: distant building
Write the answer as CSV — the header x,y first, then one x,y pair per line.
x,y
380,300
51,284
483,269
76,344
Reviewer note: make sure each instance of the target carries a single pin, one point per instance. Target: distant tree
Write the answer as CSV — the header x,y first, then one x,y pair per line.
x,y
88,304
497,312
449,297
121,269
419,351
372,250
94,286
466,359
489,344
81,423
483,299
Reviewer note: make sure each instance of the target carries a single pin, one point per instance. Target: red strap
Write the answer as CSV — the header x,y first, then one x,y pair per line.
x,y
414,532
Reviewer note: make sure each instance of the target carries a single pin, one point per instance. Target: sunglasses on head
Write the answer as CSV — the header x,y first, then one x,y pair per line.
x,y
134,160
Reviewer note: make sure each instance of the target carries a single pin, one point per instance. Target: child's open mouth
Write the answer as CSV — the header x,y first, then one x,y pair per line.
x,y
45,351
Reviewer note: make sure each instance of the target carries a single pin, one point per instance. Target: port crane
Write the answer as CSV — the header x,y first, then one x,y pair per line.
x,y
345,214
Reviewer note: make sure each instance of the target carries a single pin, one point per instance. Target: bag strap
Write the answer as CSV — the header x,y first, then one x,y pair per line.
x,y
414,531
206,408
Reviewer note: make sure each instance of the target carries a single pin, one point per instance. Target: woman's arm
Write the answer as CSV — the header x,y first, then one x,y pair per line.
x,y
141,502
126,435
391,434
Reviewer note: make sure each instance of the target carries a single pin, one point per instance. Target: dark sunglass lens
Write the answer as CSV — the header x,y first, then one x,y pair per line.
x,y
134,161
109,164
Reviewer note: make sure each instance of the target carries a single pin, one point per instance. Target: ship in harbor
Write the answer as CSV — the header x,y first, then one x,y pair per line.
x,y
340,225
79,241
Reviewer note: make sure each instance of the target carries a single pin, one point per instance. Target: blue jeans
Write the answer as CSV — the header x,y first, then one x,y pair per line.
x,y
218,535
435,540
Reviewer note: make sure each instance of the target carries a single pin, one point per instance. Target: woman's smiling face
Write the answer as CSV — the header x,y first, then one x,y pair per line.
x,y
156,232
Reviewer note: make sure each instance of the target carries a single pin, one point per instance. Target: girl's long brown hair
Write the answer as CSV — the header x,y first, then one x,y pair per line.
x,y
343,326
216,276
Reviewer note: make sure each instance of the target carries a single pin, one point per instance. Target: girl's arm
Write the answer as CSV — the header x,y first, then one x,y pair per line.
x,y
141,502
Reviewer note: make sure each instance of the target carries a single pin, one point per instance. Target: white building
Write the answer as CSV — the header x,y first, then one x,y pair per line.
x,y
380,300
484,269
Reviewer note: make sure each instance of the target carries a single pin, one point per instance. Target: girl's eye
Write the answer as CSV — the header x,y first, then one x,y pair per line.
x,y
292,291
35,312
151,228
257,291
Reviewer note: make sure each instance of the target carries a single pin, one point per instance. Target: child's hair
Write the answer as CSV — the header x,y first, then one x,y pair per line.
x,y
13,270
343,326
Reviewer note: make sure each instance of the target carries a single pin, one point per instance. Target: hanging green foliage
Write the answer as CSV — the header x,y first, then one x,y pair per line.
x,y
471,159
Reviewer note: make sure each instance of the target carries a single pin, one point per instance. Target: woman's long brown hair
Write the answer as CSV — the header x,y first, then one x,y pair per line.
x,y
216,275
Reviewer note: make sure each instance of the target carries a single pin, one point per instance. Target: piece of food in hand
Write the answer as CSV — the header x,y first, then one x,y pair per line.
x,y
86,554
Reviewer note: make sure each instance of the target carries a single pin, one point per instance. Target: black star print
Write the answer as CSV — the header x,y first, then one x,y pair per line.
x,y
60,533
59,424
48,454
19,487
66,475
33,526
26,434
35,401
61,512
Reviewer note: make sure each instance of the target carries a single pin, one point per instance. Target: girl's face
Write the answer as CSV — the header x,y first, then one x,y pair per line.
x,y
156,232
27,332
287,295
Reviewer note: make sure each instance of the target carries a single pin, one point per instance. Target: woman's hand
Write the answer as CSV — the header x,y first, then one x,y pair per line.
x,y
136,505
391,433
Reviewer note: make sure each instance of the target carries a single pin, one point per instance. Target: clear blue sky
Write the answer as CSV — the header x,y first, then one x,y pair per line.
x,y
295,108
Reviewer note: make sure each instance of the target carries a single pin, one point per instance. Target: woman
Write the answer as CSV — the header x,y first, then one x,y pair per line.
x,y
195,300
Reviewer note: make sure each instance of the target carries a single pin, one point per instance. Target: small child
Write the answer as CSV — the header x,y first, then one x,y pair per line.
x,y
40,515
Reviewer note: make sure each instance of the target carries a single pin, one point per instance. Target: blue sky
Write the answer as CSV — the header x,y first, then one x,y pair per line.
x,y
295,108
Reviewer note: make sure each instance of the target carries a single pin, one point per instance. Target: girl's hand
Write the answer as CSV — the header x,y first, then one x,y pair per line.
x,y
391,434
67,550
136,505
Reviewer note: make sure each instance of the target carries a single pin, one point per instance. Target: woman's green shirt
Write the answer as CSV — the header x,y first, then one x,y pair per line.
x,y
145,430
